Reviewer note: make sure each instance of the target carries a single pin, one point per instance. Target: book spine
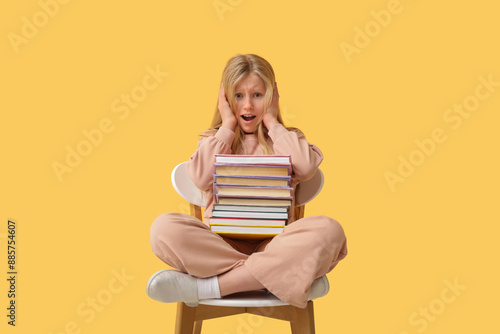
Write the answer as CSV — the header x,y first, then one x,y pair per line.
x,y
248,166
255,197
246,188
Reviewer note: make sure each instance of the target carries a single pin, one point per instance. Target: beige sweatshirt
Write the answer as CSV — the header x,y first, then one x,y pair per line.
x,y
305,157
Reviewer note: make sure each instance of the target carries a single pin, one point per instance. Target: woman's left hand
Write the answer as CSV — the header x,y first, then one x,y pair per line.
x,y
270,118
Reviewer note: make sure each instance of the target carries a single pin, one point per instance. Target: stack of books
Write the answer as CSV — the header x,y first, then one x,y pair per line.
x,y
252,195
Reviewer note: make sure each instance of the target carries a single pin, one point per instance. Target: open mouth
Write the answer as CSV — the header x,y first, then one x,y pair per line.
x,y
248,118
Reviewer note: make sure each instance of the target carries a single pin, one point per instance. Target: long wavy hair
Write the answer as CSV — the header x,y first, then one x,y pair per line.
x,y
237,68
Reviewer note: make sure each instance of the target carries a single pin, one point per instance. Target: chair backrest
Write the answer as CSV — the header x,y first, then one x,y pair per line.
x,y
183,185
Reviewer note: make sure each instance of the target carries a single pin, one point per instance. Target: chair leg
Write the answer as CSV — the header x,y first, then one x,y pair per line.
x,y
197,327
184,322
304,322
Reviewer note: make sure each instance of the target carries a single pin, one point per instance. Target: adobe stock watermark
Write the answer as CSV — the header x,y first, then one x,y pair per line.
x,y
223,6
453,117
249,323
185,208
30,26
292,278
96,303
121,107
325,251
421,319
287,116
380,20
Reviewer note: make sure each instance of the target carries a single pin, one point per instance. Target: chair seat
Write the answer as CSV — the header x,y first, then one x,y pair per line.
x,y
257,298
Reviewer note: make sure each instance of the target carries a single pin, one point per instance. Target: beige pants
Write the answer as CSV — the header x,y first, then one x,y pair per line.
x,y
286,264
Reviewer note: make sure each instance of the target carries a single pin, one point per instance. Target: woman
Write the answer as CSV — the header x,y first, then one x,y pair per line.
x,y
247,120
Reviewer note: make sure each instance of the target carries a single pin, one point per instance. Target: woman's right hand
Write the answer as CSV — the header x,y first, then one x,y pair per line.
x,y
228,118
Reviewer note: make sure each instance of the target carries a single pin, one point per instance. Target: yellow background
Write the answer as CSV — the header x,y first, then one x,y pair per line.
x,y
364,111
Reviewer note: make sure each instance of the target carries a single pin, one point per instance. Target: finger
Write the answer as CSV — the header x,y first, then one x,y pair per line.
x,y
222,95
222,86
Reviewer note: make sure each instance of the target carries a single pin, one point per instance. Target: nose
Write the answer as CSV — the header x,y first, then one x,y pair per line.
x,y
247,104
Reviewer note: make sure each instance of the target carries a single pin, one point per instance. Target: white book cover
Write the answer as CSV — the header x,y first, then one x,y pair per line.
x,y
252,159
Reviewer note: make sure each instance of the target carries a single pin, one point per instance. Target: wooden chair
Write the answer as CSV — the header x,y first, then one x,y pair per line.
x,y
190,319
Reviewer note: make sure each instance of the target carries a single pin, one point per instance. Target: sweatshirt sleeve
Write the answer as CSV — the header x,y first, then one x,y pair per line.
x,y
200,164
305,157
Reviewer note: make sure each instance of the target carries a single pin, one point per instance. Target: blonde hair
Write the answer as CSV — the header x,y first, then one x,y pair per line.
x,y
237,68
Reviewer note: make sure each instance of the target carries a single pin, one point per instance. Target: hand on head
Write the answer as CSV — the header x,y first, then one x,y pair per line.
x,y
270,118
228,118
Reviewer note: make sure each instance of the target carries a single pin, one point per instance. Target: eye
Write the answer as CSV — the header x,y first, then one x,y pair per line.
x,y
257,94
238,95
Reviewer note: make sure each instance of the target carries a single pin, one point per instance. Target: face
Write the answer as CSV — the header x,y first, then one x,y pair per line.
x,y
249,102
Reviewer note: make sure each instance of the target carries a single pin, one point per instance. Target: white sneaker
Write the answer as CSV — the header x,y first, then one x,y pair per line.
x,y
171,286
319,288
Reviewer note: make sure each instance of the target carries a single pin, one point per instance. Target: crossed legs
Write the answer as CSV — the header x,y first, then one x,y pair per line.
x,y
286,265
237,280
